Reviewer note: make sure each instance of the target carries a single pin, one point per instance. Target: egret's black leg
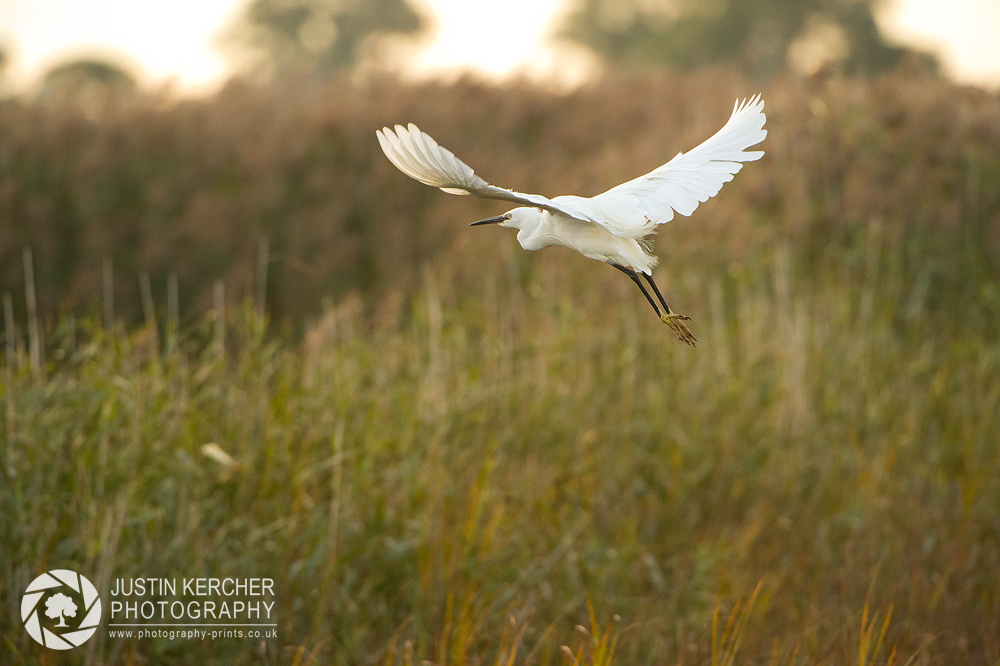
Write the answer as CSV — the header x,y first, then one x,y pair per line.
x,y
670,318
649,279
635,278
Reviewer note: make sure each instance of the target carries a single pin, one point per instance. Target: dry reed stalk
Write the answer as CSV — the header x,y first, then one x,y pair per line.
x,y
263,258
34,331
173,313
149,311
9,332
108,284
219,317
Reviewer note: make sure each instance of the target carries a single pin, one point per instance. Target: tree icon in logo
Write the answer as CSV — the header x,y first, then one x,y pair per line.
x,y
62,590
60,606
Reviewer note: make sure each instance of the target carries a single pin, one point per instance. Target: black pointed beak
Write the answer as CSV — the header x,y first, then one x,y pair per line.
x,y
491,220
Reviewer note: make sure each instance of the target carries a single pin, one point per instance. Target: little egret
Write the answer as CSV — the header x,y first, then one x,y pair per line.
x,y
613,227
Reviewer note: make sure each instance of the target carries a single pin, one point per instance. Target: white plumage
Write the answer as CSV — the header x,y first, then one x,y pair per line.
x,y
609,226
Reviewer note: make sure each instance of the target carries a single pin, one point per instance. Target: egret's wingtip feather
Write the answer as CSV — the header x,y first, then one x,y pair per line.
x,y
634,208
420,157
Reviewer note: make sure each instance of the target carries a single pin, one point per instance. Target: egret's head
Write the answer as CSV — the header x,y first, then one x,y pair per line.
x,y
519,218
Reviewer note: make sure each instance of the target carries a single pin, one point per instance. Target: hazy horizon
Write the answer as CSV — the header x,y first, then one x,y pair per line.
x,y
178,43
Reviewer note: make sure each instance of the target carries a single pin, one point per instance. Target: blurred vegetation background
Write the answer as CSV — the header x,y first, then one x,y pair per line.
x,y
193,188
242,343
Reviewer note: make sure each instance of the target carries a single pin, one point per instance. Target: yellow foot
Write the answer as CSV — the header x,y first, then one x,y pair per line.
x,y
676,322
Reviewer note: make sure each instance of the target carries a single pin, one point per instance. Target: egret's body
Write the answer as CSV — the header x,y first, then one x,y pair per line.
x,y
610,227
539,229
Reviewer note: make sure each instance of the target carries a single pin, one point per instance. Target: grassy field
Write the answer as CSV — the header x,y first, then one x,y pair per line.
x,y
455,471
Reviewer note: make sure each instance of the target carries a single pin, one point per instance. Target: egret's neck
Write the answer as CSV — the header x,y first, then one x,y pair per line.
x,y
529,225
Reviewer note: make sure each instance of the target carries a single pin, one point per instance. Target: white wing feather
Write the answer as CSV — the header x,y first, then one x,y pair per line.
x,y
630,210
633,209
420,157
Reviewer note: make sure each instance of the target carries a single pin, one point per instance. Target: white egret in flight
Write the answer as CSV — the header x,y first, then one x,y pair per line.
x,y
613,227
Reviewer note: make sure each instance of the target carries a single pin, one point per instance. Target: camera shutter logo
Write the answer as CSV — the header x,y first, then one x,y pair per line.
x,y
58,604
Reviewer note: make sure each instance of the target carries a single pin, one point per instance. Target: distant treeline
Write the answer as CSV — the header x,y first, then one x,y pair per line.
x,y
199,189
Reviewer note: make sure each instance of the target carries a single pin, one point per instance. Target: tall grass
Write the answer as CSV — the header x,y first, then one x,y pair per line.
x,y
458,484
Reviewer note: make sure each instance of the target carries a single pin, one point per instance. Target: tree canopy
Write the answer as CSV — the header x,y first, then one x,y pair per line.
x,y
89,71
90,85
319,36
761,37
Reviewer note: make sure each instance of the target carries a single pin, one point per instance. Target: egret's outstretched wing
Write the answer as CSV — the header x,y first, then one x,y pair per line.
x,y
633,209
420,157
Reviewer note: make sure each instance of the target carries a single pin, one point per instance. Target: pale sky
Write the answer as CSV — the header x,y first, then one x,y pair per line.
x,y
175,40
